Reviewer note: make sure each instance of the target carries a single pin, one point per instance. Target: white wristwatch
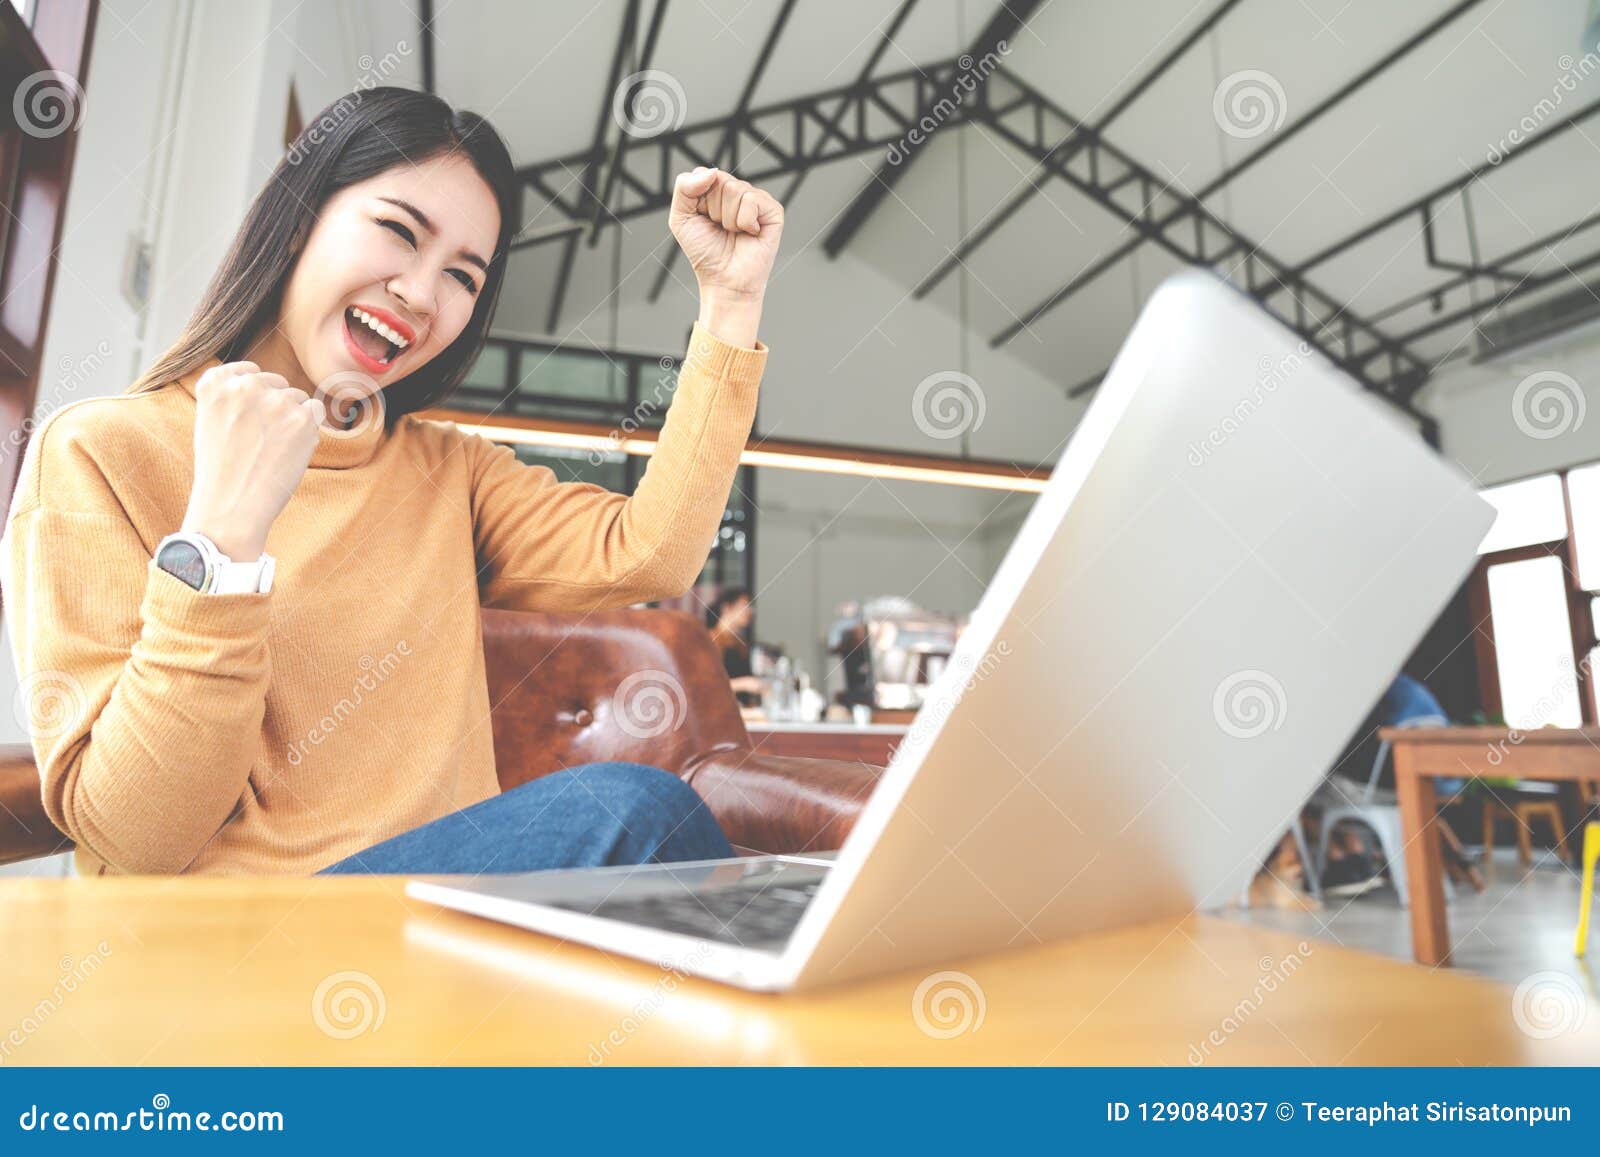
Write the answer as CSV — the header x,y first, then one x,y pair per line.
x,y
195,559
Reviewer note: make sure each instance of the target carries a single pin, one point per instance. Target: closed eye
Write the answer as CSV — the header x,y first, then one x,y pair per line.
x,y
465,279
398,229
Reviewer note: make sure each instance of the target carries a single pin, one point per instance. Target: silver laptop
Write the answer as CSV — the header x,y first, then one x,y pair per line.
x,y
1234,555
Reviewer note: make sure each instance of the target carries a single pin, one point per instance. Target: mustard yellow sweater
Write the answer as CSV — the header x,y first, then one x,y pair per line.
x,y
277,733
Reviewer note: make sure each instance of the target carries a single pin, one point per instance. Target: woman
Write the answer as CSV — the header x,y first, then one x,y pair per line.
x,y
728,618
244,595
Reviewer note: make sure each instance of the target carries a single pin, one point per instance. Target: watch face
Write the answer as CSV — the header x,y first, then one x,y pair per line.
x,y
184,560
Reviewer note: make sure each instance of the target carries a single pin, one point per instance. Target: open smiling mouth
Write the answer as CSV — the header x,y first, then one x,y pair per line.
x,y
374,342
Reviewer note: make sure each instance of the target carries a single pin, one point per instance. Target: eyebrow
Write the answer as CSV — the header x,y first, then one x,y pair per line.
x,y
423,219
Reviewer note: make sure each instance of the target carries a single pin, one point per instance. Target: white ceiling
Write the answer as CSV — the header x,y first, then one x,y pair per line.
x,y
540,70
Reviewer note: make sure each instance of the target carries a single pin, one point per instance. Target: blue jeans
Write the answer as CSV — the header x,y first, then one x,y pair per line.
x,y
583,817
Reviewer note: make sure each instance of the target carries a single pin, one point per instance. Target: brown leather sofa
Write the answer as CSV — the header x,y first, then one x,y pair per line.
x,y
643,686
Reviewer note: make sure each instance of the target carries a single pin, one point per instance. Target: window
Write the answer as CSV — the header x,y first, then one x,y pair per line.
x,y
1532,604
1530,511
622,391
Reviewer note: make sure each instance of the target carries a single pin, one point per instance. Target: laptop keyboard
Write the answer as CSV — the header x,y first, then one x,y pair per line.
x,y
752,914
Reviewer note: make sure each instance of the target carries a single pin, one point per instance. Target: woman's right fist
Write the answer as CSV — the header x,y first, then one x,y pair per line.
x,y
254,435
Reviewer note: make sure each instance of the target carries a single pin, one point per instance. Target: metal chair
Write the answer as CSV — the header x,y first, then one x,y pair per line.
x,y
1381,817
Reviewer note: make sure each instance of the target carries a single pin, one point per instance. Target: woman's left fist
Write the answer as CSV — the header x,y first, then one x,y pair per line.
x,y
728,229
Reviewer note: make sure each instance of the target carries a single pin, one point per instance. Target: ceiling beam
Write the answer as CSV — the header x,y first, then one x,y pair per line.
x,y
658,17
727,149
1194,235
1277,141
1067,147
787,138
865,75
1008,19
425,29
589,194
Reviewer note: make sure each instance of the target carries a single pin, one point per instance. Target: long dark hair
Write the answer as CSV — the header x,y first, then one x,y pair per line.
x,y
355,138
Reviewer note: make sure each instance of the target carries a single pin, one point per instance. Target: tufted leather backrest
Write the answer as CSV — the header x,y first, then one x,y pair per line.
x,y
642,686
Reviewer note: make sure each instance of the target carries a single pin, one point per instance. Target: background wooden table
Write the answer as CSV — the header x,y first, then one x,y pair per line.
x,y
346,970
1423,754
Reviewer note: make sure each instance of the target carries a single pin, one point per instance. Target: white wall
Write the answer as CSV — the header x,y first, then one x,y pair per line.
x,y
182,120
1498,429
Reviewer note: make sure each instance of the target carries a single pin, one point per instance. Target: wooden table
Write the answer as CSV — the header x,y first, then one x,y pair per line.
x,y
348,970
1423,754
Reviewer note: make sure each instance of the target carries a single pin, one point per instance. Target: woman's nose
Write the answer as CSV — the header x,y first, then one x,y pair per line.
x,y
412,292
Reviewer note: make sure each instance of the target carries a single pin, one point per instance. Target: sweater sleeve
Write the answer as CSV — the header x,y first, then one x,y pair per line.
x,y
571,546
144,698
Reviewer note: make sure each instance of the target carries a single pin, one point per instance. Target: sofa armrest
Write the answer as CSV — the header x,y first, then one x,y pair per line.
x,y
26,832
782,803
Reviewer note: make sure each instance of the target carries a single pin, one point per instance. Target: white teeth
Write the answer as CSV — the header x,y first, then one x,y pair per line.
x,y
379,328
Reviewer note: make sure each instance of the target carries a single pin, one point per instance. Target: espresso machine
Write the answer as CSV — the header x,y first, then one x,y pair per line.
x,y
890,651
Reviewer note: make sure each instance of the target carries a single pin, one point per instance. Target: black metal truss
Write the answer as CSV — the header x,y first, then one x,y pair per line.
x,y
1185,228
724,153
793,136
782,139
1068,146
1275,142
1008,19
